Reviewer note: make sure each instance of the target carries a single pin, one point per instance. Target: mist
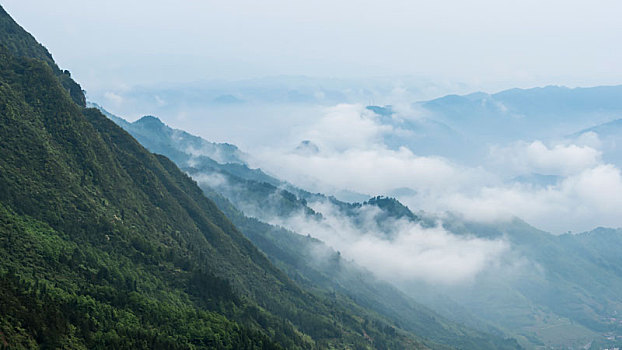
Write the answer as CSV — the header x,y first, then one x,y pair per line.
x,y
583,191
469,240
399,251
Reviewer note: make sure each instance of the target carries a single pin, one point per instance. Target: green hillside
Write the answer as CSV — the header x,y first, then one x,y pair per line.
x,y
241,192
106,245
567,295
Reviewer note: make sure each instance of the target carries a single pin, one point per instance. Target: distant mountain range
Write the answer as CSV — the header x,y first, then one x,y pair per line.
x,y
462,127
610,136
280,89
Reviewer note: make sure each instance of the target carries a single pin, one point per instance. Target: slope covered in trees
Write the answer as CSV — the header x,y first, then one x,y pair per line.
x,y
240,191
565,296
106,245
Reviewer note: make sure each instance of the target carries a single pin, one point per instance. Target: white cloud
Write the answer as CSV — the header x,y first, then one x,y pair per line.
x,y
368,171
587,193
213,180
345,127
353,157
535,157
403,252
579,202
589,139
113,98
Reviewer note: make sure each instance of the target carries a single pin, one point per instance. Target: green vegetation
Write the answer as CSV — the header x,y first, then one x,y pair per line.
x,y
105,245
309,262
89,258
566,295
568,288
58,294
20,43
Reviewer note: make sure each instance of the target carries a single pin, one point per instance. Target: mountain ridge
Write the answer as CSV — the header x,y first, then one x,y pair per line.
x,y
535,293
105,244
296,254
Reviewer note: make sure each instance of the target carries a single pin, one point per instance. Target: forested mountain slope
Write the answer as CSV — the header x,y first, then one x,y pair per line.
x,y
566,294
106,245
239,191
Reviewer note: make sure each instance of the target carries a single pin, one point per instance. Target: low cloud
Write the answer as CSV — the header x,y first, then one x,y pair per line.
x,y
580,202
535,157
352,156
585,192
400,251
113,98
212,180
345,127
366,170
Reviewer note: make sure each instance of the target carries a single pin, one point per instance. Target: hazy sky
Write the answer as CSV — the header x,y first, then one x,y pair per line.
x,y
489,44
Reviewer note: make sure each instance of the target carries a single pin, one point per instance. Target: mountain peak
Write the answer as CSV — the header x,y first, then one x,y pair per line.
x,y
19,43
307,147
385,111
150,120
392,207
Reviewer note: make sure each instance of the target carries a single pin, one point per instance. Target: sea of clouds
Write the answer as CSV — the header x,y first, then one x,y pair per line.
x,y
351,155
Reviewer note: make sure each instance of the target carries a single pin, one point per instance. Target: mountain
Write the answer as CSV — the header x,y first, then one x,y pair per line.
x,y
612,128
463,127
564,294
150,128
423,134
609,135
315,265
106,245
528,112
247,200
21,44
564,297
188,150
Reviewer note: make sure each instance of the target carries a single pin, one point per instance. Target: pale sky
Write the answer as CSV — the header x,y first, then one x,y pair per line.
x,y
489,44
